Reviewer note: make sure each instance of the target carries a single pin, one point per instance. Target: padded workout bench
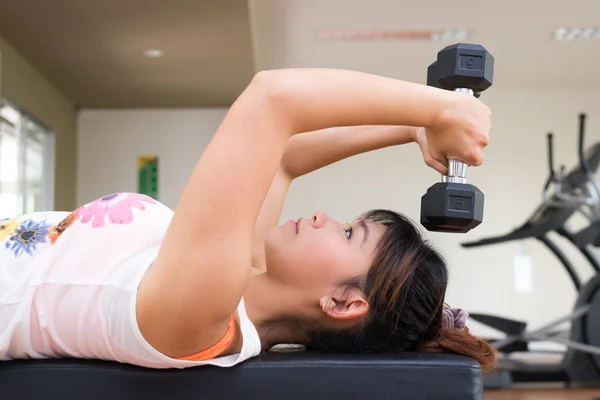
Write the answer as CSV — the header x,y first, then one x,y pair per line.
x,y
272,375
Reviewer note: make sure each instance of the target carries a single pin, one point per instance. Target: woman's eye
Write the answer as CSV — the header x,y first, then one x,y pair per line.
x,y
349,233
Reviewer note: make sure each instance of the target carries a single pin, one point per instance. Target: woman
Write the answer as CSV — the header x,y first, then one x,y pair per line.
x,y
214,282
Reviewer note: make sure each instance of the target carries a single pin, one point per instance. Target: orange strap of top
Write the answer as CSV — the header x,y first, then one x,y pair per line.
x,y
216,349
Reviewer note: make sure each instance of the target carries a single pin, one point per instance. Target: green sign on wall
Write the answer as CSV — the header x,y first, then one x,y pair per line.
x,y
148,176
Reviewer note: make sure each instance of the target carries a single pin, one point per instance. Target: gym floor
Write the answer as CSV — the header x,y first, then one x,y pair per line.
x,y
545,393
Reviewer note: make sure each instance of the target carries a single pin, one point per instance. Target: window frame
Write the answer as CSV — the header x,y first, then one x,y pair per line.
x,y
48,179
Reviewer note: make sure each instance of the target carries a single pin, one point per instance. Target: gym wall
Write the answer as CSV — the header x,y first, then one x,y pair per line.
x,y
110,142
23,84
511,179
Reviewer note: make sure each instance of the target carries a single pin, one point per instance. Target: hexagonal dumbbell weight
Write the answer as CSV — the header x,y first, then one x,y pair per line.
x,y
453,205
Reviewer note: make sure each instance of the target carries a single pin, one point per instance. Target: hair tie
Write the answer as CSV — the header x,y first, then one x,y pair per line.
x,y
454,318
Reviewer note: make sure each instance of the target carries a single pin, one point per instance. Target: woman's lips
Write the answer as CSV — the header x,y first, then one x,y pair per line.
x,y
294,225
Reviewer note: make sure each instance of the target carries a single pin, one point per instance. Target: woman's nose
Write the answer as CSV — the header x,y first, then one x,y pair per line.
x,y
319,219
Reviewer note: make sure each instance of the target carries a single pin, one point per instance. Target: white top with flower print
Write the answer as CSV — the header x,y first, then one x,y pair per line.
x,y
68,284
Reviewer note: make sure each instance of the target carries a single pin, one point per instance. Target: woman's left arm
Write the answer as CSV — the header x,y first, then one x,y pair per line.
x,y
311,151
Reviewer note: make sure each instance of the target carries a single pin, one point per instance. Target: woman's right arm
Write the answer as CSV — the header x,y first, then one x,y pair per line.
x,y
200,274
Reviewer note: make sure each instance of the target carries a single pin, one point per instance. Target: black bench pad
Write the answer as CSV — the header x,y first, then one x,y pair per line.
x,y
281,376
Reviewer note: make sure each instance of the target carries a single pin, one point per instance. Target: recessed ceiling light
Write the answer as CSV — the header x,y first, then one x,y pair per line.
x,y
154,53
459,35
576,33
432,34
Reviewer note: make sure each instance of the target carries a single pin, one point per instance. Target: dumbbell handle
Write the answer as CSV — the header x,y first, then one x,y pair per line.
x,y
457,170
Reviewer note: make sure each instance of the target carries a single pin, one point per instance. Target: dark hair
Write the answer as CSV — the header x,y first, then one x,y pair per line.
x,y
405,288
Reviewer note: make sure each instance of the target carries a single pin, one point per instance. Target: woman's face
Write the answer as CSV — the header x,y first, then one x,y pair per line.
x,y
315,255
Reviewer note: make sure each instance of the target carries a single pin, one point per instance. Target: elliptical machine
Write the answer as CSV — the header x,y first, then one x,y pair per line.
x,y
564,195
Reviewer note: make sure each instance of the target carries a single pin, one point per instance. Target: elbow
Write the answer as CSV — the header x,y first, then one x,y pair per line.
x,y
270,83
274,91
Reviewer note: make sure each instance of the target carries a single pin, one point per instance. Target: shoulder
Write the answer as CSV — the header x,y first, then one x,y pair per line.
x,y
240,342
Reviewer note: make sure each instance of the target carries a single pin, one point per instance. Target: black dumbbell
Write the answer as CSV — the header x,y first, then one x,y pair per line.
x,y
453,205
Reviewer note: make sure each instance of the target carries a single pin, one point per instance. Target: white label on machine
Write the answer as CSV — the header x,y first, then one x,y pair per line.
x,y
523,273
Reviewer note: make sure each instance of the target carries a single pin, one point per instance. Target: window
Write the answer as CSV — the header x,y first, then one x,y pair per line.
x,y
26,163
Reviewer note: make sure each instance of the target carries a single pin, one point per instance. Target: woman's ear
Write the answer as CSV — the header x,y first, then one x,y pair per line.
x,y
345,304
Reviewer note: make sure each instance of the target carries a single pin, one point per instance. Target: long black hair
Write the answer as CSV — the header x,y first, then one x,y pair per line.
x,y
405,289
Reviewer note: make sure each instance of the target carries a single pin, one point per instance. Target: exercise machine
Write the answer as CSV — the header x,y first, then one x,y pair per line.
x,y
564,195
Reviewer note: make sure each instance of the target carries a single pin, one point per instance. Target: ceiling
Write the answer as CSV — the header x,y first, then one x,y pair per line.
x,y
93,51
